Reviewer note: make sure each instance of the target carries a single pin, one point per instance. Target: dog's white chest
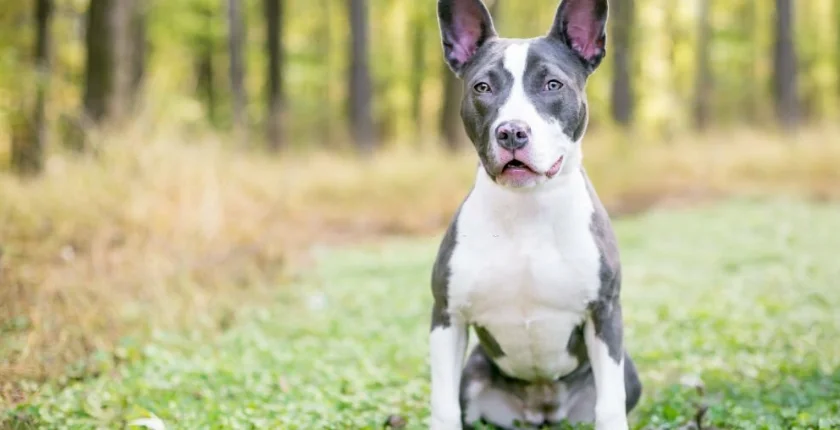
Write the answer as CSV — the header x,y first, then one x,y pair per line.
x,y
525,272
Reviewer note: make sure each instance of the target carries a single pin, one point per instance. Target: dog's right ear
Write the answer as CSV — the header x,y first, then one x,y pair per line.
x,y
465,25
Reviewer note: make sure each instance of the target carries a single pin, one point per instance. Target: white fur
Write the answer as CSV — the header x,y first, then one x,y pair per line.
x,y
548,141
610,413
525,268
447,348
474,408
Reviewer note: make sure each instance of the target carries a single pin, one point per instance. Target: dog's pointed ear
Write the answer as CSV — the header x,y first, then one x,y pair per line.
x,y
465,25
582,26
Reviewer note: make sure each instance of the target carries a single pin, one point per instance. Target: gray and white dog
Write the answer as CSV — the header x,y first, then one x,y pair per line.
x,y
530,261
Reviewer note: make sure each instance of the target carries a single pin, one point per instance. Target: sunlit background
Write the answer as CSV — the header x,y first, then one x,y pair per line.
x,y
164,164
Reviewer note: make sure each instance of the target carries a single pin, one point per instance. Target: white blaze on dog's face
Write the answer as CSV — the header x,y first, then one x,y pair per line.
x,y
527,143
524,105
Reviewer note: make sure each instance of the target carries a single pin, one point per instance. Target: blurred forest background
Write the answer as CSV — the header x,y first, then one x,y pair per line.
x,y
163,161
317,73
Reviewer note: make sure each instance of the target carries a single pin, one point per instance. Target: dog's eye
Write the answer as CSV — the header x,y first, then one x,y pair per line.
x,y
482,87
553,85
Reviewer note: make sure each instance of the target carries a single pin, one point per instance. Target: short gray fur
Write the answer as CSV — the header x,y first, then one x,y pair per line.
x,y
606,309
440,275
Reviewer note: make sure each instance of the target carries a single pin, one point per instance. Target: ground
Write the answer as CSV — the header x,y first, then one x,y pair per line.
x,y
730,305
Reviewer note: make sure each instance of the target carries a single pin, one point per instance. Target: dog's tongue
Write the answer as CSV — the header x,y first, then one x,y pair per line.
x,y
555,168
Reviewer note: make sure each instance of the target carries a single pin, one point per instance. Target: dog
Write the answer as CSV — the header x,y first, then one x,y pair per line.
x,y
530,261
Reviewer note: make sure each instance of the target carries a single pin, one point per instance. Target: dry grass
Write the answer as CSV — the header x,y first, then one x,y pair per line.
x,y
157,233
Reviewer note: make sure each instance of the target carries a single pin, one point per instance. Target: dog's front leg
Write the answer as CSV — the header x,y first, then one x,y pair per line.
x,y
604,344
447,347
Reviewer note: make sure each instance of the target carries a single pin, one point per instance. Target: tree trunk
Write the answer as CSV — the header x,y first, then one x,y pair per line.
x,y
750,98
236,40
323,41
139,50
116,48
206,87
451,127
361,119
99,76
703,83
124,59
274,50
385,122
28,147
418,69
784,67
43,54
205,69
837,44
622,41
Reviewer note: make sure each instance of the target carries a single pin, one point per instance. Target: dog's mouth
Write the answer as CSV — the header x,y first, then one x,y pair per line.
x,y
516,165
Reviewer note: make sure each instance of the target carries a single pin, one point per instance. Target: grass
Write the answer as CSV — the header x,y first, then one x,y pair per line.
x,y
736,297
154,233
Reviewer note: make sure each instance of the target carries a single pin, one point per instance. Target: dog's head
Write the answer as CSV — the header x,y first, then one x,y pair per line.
x,y
524,104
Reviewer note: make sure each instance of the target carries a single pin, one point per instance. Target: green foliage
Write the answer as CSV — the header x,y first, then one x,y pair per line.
x,y
739,296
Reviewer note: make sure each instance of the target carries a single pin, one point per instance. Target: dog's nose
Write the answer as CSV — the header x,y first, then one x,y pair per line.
x,y
513,135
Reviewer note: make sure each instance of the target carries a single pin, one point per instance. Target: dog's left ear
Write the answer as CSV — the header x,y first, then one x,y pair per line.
x,y
581,25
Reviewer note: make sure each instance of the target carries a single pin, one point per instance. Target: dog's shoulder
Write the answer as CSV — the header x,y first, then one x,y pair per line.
x,y
441,270
604,235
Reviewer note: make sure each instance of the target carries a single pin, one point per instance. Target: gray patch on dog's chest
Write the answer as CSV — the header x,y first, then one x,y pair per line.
x,y
488,342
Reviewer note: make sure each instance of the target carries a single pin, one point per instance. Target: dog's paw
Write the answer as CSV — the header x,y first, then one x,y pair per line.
x,y
612,423
611,416
445,423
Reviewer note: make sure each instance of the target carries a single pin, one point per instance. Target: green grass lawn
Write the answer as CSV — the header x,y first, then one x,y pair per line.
x,y
742,296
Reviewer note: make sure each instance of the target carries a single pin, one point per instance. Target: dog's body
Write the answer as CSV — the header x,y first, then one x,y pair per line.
x,y
524,272
530,261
